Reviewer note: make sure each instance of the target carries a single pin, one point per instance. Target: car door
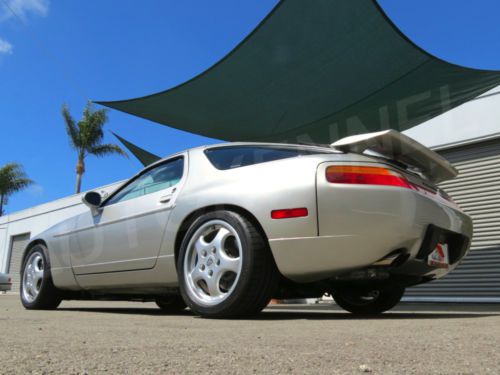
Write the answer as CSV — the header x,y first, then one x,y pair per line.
x,y
127,231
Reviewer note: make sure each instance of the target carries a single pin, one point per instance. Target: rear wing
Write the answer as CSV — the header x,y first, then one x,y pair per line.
x,y
401,148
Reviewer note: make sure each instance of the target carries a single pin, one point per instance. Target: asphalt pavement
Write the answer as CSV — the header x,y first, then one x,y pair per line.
x,y
98,337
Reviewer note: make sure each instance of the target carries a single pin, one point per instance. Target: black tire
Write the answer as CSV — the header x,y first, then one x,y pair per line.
x,y
368,301
258,275
171,304
48,297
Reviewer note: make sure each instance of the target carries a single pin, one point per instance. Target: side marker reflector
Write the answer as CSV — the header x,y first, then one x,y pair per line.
x,y
289,213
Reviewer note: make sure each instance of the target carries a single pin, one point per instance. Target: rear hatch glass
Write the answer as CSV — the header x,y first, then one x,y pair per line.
x,y
229,157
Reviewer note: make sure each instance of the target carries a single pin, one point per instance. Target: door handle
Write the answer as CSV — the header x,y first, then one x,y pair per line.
x,y
165,199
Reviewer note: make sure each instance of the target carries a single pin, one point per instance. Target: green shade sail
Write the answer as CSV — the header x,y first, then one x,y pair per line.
x,y
145,157
315,71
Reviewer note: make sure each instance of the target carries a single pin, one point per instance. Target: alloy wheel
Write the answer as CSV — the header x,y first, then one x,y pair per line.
x,y
33,277
212,265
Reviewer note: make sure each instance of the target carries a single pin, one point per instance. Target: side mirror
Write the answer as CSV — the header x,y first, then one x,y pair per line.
x,y
93,201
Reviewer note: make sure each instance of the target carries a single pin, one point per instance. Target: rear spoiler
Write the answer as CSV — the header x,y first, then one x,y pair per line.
x,y
401,148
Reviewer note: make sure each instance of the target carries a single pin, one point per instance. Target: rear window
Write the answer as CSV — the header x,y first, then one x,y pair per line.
x,y
241,156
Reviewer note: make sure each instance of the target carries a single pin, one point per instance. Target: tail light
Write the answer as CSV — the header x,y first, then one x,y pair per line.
x,y
362,175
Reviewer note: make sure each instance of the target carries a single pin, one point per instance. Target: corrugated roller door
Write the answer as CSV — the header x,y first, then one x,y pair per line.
x,y
18,243
477,191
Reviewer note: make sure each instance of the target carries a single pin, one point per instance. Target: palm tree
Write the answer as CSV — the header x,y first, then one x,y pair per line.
x,y
12,179
86,137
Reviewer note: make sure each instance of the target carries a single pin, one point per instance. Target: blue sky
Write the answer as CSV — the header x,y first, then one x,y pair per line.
x,y
59,52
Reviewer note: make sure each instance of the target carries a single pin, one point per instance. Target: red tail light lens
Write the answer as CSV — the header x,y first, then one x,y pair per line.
x,y
350,174
289,213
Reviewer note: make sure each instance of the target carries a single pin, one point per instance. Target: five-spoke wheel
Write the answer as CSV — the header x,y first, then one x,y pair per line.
x,y
37,289
225,266
213,262
33,277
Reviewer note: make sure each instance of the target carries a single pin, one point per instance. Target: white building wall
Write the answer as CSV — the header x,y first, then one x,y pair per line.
x,y
3,246
477,118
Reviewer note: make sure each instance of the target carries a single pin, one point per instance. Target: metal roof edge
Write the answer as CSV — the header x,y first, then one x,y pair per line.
x,y
466,142
51,206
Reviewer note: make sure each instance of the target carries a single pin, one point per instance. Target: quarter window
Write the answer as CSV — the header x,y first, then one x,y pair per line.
x,y
230,157
159,178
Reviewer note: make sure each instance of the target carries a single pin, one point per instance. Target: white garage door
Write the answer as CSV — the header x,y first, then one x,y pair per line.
x,y
477,191
18,243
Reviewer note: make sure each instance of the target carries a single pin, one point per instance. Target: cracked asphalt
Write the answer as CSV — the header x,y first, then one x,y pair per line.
x,y
98,337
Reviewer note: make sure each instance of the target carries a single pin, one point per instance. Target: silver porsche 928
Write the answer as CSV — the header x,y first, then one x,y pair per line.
x,y
223,229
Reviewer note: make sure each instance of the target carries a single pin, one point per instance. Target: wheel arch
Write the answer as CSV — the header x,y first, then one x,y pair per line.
x,y
33,243
189,219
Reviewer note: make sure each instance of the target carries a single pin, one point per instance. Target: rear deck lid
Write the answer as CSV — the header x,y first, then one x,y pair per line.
x,y
398,147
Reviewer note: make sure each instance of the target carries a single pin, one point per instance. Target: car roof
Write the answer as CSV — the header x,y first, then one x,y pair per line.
x,y
323,148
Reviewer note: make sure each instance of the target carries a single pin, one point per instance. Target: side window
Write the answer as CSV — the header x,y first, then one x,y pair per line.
x,y
230,157
159,178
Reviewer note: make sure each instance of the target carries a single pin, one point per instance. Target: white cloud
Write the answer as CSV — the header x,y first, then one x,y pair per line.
x,y
20,9
36,190
5,47
23,8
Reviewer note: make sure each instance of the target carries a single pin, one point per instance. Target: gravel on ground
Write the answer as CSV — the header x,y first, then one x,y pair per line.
x,y
95,337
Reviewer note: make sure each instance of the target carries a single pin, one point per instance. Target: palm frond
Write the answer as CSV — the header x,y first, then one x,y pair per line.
x,y
71,128
20,184
90,135
107,149
13,179
91,126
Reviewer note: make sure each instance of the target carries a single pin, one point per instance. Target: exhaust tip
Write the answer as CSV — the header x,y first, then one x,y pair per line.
x,y
393,259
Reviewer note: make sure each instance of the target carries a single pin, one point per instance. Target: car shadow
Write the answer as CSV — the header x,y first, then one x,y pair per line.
x,y
340,315
289,315
125,310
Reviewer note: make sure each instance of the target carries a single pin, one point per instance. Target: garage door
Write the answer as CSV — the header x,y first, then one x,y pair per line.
x,y
477,191
18,243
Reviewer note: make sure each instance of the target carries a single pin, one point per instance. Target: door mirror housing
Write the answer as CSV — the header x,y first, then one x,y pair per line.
x,y
93,201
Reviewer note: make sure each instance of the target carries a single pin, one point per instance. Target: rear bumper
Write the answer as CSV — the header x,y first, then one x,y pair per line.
x,y
356,233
